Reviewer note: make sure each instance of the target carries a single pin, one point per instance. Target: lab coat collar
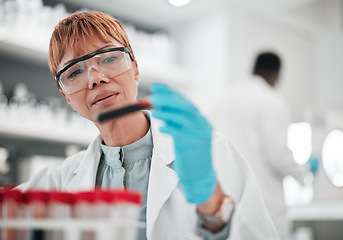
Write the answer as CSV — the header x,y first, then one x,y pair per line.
x,y
259,80
163,148
85,174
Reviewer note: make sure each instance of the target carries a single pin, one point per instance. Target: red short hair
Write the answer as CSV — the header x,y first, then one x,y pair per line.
x,y
79,29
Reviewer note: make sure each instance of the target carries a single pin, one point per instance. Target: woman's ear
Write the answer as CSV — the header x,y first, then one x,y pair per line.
x,y
65,96
135,67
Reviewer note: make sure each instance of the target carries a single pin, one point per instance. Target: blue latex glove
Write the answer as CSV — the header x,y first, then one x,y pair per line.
x,y
313,163
192,136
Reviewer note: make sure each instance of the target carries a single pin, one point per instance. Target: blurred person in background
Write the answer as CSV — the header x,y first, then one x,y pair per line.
x,y
256,118
194,183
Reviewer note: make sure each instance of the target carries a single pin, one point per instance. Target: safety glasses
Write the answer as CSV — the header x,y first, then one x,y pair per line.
x,y
78,74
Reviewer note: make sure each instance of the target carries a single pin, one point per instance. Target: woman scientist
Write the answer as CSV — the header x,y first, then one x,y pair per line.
x,y
195,184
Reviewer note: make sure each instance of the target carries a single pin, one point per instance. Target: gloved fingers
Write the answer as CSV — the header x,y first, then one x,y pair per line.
x,y
164,97
176,120
184,135
172,102
182,120
163,89
172,130
171,105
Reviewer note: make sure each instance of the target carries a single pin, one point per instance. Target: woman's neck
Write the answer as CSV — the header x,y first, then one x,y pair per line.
x,y
124,130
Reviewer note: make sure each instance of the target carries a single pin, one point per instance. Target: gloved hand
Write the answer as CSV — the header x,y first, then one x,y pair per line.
x,y
192,136
313,163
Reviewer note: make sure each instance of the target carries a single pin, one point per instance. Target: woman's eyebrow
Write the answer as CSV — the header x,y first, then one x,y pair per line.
x,y
106,46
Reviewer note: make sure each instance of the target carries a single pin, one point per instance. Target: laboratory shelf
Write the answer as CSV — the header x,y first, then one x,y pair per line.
x,y
67,135
76,132
28,50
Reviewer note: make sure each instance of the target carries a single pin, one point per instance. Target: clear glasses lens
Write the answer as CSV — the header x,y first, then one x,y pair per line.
x,y
108,64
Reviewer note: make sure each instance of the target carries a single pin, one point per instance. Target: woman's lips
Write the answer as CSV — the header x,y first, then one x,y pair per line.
x,y
104,99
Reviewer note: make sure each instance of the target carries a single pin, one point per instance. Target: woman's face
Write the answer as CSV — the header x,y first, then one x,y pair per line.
x,y
102,93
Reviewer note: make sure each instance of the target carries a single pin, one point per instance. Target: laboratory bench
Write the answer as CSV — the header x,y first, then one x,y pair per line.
x,y
322,218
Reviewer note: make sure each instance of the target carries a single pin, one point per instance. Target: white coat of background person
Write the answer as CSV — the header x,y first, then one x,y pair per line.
x,y
256,117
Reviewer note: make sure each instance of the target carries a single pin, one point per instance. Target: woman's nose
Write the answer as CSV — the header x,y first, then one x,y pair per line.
x,y
95,77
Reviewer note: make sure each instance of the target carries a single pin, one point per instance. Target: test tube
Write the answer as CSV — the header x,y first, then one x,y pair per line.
x,y
13,205
23,213
60,207
84,209
37,202
124,205
102,205
2,193
12,201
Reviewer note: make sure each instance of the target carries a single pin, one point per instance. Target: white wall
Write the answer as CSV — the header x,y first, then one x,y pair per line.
x,y
330,56
309,40
330,71
204,48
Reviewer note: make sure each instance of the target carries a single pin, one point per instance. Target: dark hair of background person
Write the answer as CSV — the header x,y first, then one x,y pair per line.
x,y
268,65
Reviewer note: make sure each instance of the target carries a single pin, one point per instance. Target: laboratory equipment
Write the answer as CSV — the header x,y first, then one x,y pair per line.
x,y
66,215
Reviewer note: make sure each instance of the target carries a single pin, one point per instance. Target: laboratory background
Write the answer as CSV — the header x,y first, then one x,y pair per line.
x,y
200,48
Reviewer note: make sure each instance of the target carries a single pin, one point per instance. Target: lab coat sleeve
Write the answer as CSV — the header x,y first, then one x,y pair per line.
x,y
47,179
275,120
250,219
54,177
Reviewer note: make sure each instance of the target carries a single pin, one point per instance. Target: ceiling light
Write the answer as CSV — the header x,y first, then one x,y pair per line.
x,y
179,3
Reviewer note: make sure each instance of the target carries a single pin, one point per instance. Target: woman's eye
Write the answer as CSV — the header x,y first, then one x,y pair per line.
x,y
109,59
73,74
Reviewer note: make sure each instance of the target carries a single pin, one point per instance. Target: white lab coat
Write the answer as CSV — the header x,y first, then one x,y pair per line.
x,y
255,117
169,215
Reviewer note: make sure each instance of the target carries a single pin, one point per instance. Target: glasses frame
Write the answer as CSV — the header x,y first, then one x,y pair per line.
x,y
88,56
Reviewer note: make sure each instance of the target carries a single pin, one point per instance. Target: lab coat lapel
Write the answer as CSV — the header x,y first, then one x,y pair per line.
x,y
163,179
85,174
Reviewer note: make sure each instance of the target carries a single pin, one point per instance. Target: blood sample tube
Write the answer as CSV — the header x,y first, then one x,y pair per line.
x,y
13,205
60,207
37,202
2,193
123,205
23,214
103,202
84,209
